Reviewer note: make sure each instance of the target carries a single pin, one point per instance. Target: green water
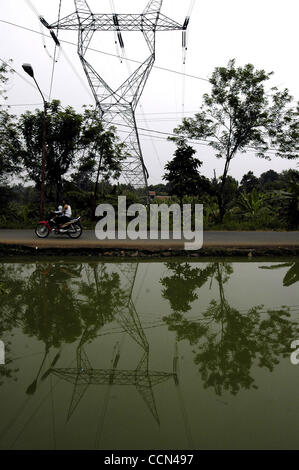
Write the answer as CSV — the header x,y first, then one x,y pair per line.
x,y
149,355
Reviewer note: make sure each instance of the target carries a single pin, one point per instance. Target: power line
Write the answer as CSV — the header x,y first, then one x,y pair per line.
x,y
137,114
198,142
172,112
23,104
204,142
105,53
150,136
55,52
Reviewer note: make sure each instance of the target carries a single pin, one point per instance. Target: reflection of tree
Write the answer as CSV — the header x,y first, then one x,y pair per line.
x,y
11,287
292,274
11,303
97,295
56,305
100,297
229,343
50,305
180,286
103,297
227,356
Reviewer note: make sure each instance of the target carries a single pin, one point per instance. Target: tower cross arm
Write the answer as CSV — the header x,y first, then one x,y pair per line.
x,y
122,22
68,22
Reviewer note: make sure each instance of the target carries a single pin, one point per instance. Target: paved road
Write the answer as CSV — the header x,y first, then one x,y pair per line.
x,y
211,239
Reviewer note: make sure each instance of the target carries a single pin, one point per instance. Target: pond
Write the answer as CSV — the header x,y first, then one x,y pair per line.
x,y
149,355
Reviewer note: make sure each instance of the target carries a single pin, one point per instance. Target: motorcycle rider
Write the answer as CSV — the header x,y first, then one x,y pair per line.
x,y
66,214
56,214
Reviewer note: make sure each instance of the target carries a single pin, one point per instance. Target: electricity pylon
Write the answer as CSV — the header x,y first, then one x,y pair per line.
x,y
117,107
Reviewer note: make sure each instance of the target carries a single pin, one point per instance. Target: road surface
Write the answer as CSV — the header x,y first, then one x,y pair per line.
x,y
212,239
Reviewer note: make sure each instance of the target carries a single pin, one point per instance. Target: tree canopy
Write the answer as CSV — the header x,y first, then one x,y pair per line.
x,y
182,172
70,137
239,114
9,142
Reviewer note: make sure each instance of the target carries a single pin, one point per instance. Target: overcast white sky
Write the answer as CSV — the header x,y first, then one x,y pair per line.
x,y
263,32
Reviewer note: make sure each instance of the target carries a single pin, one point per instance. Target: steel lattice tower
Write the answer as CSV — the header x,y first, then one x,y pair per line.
x,y
117,107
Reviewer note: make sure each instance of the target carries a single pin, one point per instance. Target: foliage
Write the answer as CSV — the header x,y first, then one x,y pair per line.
x,y
249,182
291,276
226,343
70,137
63,128
250,204
102,152
291,198
9,141
182,172
239,113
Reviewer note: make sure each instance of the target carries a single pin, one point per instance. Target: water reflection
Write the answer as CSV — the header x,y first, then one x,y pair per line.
x,y
226,342
103,302
72,311
64,303
292,274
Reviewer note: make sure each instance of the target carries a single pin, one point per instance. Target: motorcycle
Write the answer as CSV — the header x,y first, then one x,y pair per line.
x,y
72,228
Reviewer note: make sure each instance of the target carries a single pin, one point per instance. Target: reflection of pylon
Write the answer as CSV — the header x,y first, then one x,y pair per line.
x,y
141,377
84,375
117,107
127,315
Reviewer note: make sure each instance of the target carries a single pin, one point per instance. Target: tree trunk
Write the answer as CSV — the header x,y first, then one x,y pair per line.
x,y
58,192
94,201
221,199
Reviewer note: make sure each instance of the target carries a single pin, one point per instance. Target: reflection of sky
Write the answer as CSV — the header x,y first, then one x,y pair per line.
x,y
244,289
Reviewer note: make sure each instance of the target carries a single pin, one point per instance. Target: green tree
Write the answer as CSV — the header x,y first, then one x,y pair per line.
x,y
229,191
71,137
269,180
9,141
284,132
252,203
291,198
63,139
102,152
239,113
182,172
249,182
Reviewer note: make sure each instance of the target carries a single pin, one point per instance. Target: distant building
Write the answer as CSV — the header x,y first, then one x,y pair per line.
x,y
163,198
152,195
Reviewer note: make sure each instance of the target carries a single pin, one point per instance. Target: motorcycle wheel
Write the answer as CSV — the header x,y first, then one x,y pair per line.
x,y
42,231
75,230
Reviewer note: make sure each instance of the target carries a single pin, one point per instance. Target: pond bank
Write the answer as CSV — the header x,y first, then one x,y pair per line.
x,y
12,250
244,244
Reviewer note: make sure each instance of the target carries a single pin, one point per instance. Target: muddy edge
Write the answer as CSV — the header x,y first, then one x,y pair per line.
x,y
22,250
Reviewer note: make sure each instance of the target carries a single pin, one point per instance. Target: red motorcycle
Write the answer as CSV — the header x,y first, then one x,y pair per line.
x,y
72,228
